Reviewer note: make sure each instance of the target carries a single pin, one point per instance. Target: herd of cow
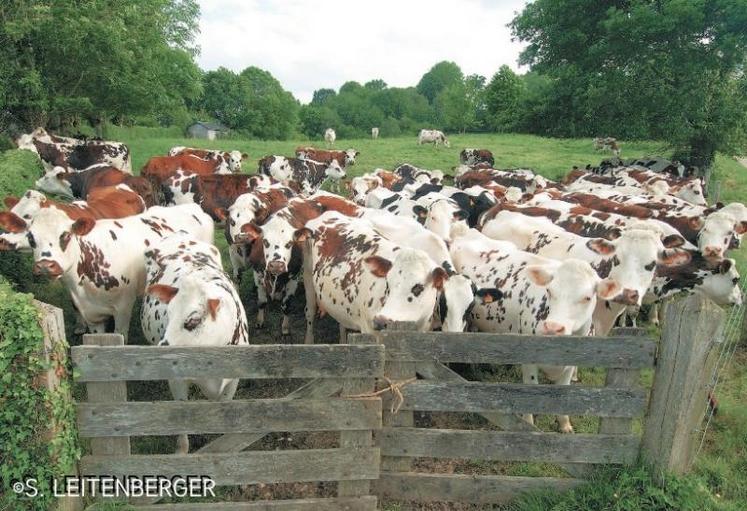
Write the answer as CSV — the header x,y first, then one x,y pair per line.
x,y
506,251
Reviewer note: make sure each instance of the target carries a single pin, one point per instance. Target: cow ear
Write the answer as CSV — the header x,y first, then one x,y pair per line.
x,y
10,201
489,294
438,276
379,266
696,223
539,275
461,215
83,226
302,235
212,307
741,227
251,230
674,257
601,246
607,289
244,156
420,211
221,214
12,222
673,241
163,292
725,265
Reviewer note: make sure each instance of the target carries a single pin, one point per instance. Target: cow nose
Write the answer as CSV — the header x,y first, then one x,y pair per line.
x,y
627,297
276,267
380,323
47,268
712,252
552,328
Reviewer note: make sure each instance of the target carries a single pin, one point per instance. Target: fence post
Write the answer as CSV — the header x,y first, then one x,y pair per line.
x,y
692,326
397,371
110,392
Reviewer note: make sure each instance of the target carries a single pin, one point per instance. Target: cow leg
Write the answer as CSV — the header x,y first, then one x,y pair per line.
x,y
122,320
654,314
288,296
180,392
563,377
237,261
530,376
343,335
261,299
574,375
308,287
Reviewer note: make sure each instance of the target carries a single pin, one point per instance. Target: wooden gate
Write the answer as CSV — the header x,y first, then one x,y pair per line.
x,y
109,420
440,389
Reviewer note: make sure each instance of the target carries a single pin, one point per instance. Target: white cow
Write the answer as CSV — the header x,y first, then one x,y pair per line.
x,y
374,133
434,137
330,136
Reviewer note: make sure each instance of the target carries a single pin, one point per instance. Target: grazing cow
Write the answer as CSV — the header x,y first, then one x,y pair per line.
x,y
343,158
476,156
75,154
190,301
539,295
102,262
159,168
434,137
330,136
363,280
229,161
79,185
304,176
374,133
607,144
631,260
213,192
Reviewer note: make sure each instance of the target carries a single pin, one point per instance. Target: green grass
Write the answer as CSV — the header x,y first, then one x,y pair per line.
x,y
719,480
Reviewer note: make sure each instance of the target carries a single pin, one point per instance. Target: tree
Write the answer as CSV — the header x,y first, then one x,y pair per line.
x,y
502,97
438,78
666,69
321,96
375,85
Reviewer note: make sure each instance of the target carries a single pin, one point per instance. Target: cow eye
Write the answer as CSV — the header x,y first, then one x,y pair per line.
x,y
267,244
64,240
586,299
289,244
735,280
417,289
696,192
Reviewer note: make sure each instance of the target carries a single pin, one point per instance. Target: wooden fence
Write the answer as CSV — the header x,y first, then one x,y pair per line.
x,y
669,411
109,420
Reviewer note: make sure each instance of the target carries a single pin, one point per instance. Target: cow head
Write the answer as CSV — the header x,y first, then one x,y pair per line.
x,y
234,160
51,235
445,140
350,155
278,237
716,235
721,282
458,297
361,185
413,282
692,192
440,216
55,182
334,171
26,141
571,292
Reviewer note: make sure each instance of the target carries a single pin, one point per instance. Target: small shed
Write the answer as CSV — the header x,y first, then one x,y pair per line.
x,y
208,130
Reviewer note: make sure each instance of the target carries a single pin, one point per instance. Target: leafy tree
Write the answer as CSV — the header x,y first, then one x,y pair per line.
x,y
502,99
438,78
315,119
474,89
667,69
375,85
321,96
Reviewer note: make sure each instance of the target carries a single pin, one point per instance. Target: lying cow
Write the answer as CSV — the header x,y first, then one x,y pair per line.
x,y
434,137
343,158
229,161
539,295
304,176
476,156
79,185
101,262
190,301
159,168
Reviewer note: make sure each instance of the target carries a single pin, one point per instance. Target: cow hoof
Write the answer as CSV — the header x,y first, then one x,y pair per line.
x,y
567,428
575,379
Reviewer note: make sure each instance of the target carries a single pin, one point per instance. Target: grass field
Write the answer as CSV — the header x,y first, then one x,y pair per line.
x,y
720,478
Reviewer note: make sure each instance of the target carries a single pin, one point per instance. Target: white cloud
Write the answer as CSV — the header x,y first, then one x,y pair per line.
x,y
309,44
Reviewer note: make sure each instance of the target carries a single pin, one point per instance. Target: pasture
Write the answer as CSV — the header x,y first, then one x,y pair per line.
x,y
719,468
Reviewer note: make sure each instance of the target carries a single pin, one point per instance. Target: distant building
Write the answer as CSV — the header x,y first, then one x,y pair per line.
x,y
208,130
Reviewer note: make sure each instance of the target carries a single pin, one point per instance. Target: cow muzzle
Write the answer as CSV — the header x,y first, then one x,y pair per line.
x,y
553,328
627,297
713,253
380,323
47,268
276,267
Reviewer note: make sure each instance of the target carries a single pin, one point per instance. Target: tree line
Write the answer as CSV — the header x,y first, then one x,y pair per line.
x,y
634,69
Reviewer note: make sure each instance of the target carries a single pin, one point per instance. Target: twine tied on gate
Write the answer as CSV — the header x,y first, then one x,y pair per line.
x,y
395,387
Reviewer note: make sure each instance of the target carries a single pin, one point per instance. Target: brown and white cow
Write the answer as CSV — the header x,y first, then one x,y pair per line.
x,y
159,168
539,295
304,176
190,301
101,262
229,161
476,156
343,158
79,185
74,154
530,183
435,137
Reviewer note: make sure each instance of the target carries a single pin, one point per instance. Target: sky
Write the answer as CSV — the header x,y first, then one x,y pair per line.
x,y
313,44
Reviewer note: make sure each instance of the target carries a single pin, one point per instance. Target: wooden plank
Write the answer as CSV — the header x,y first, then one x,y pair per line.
x,y
249,467
679,394
519,398
107,392
509,446
207,417
467,489
366,503
625,379
484,348
255,362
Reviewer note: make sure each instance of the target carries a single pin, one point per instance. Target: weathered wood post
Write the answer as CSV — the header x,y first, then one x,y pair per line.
x,y
692,328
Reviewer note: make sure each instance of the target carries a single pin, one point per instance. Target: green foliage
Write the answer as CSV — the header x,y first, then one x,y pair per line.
x,y
18,171
669,70
29,410
627,489
503,97
439,78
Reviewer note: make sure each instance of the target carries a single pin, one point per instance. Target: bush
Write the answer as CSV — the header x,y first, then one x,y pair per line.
x,y
18,171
